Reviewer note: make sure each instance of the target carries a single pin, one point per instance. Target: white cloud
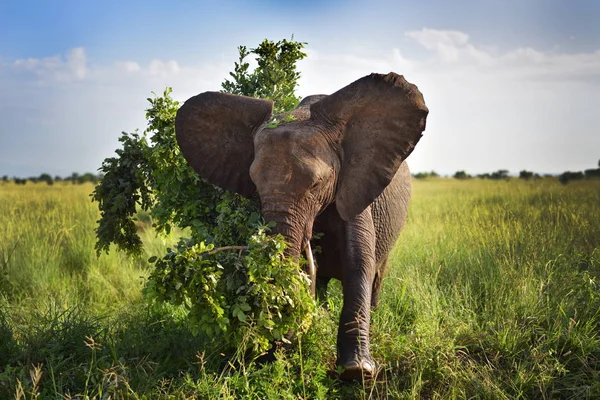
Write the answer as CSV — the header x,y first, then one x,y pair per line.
x,y
62,114
162,68
71,67
76,63
453,50
326,73
432,38
518,109
522,108
128,66
445,43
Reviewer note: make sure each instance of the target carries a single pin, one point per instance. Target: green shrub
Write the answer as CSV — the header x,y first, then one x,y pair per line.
x,y
249,297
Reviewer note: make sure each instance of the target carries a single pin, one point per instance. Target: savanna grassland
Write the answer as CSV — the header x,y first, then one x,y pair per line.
x,y
492,292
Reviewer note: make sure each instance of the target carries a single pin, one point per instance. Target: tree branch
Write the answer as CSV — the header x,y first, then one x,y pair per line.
x,y
218,249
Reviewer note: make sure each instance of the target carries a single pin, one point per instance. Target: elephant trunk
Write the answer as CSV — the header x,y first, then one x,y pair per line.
x,y
290,230
297,240
294,223
290,220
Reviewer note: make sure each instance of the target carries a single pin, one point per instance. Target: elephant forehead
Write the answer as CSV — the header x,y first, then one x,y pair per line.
x,y
272,172
304,146
288,136
279,161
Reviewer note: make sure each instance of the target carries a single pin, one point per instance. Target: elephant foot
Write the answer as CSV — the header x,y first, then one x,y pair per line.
x,y
358,370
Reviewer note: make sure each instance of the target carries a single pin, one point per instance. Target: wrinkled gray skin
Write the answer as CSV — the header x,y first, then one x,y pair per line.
x,y
338,169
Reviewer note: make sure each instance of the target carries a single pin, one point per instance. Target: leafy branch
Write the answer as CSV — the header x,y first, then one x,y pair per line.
x,y
257,296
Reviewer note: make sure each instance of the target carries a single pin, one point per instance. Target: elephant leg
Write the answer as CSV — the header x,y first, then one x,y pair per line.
x,y
358,273
322,283
376,291
377,281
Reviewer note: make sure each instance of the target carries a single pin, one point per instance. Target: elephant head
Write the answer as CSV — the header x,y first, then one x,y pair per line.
x,y
343,148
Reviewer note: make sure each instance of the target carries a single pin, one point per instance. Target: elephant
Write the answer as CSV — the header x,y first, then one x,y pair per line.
x,y
336,167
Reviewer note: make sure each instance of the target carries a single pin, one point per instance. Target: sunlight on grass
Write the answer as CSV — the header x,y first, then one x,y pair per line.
x,y
47,249
492,292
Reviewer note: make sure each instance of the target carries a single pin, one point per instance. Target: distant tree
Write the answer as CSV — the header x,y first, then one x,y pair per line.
x,y
74,178
526,175
592,173
500,174
57,178
567,176
20,181
5,178
461,175
484,176
423,175
88,177
46,178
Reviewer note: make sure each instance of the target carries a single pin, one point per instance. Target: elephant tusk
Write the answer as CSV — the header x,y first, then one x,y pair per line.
x,y
312,270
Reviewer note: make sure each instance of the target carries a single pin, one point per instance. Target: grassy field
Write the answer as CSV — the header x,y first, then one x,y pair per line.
x,y
492,293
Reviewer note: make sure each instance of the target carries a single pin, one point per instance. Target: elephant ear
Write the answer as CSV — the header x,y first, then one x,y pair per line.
x,y
377,121
215,132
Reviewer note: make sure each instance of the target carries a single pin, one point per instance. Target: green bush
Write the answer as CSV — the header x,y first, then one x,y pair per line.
x,y
249,296
461,175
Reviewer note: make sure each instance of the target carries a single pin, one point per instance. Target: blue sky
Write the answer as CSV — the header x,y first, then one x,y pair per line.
x,y
510,84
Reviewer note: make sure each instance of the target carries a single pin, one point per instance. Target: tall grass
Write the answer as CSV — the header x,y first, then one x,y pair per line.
x,y
492,292
500,280
47,249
